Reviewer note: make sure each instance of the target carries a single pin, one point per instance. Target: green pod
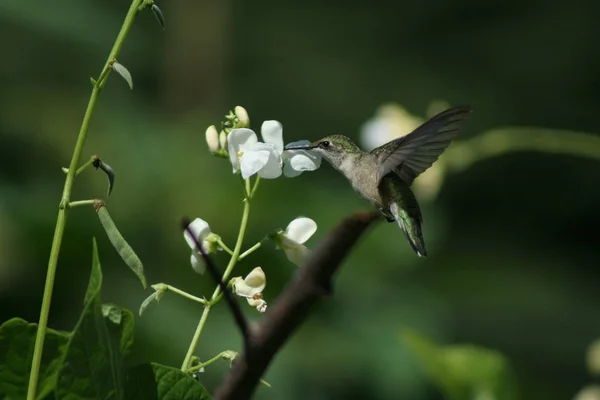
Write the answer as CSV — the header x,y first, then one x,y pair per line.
x,y
119,243
159,15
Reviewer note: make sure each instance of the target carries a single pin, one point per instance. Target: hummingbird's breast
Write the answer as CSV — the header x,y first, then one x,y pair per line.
x,y
361,171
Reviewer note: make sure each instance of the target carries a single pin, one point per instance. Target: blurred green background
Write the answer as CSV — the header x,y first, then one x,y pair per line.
x,y
513,240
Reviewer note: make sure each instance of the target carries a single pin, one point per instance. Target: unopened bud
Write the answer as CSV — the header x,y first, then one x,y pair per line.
x,y
212,139
242,116
223,140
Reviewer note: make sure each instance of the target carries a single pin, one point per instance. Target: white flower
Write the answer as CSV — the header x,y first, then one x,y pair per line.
x,y
201,231
251,156
298,161
251,288
266,158
291,241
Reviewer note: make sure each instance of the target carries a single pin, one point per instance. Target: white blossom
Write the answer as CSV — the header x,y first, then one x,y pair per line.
x,y
292,240
201,231
267,158
298,161
251,288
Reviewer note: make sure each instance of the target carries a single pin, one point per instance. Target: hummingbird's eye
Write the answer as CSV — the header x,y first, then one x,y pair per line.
x,y
325,144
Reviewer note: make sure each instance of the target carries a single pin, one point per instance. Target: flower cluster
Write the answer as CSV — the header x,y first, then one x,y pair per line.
x,y
249,156
291,241
268,158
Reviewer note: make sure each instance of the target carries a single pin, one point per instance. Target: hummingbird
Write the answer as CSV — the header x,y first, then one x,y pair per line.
x,y
384,175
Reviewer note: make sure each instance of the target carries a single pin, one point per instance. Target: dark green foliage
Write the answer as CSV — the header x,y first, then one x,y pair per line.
x,y
155,381
464,372
17,338
88,363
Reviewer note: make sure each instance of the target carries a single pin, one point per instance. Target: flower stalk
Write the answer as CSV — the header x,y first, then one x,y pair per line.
x,y
217,293
66,196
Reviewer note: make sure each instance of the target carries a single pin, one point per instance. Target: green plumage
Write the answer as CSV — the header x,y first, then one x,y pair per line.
x,y
405,210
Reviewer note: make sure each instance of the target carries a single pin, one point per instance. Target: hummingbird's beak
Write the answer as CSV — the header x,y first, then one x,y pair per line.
x,y
293,146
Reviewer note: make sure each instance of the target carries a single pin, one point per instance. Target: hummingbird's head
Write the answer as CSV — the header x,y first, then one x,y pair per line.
x,y
332,148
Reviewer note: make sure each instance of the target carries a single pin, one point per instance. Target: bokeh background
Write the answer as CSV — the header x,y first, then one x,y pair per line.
x,y
512,239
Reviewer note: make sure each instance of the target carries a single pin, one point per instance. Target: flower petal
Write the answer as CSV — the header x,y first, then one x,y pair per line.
x,y
256,279
252,284
197,265
200,229
260,304
272,132
272,169
307,161
253,161
289,171
297,254
239,140
300,160
301,229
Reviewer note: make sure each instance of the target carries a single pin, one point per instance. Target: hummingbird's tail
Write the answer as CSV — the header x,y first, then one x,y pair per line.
x,y
411,227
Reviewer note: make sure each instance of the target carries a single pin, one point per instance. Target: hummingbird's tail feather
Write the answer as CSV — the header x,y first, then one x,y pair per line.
x,y
412,229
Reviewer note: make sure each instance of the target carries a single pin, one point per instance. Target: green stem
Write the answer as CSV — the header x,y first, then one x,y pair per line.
x,y
85,166
186,294
250,250
207,363
63,207
256,182
224,247
82,203
234,258
501,141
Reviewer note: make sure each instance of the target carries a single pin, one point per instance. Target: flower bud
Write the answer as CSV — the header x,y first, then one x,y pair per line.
x,y
223,140
242,116
212,139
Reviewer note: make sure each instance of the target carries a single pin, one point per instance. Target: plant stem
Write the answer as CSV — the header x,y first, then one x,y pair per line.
x,y
207,363
224,247
63,208
82,203
85,166
186,294
250,250
507,140
232,261
256,182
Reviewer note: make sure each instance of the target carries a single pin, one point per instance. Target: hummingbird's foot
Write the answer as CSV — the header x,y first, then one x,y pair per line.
x,y
389,217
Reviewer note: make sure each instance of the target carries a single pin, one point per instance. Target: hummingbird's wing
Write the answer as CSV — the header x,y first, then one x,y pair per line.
x,y
411,155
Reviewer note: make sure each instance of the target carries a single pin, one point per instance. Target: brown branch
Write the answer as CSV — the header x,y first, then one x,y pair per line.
x,y
313,281
234,306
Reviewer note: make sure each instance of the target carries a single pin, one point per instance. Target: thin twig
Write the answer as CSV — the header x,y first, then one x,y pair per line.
x,y
291,309
240,320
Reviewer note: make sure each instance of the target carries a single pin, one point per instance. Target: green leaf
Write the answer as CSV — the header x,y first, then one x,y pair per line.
x,y
120,324
121,70
93,366
464,372
119,243
155,381
17,339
